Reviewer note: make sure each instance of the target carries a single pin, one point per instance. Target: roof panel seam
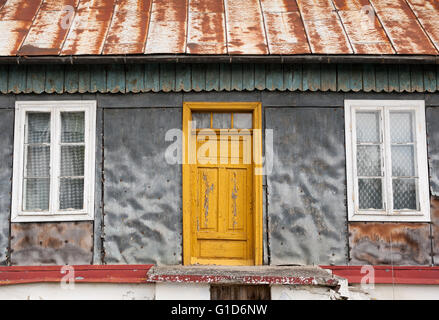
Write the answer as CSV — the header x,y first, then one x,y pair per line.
x,y
384,28
343,26
70,27
109,26
148,25
421,25
264,26
30,27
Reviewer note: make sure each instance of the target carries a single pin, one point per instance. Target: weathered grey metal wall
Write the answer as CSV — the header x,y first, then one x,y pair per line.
x,y
6,150
432,118
142,192
306,190
55,243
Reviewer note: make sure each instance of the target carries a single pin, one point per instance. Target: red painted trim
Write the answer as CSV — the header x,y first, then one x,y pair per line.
x,y
82,273
389,274
139,274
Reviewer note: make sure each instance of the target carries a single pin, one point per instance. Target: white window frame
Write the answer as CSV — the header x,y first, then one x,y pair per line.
x,y
388,214
55,108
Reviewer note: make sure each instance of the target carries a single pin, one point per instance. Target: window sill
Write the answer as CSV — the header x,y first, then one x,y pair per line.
x,y
390,218
52,218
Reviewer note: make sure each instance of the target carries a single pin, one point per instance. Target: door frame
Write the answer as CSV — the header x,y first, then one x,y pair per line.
x,y
256,109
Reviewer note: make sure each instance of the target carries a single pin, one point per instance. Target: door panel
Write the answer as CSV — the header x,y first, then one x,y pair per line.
x,y
222,225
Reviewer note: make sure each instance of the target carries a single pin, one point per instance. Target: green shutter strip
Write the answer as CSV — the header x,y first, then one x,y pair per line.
x,y
167,77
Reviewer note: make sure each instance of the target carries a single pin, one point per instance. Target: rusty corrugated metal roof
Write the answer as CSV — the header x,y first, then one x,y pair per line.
x,y
218,27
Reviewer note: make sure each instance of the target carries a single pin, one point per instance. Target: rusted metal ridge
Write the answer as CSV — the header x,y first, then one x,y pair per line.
x,y
183,58
224,28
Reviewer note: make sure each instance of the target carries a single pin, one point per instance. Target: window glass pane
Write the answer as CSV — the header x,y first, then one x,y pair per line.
x,y
202,120
221,120
403,161
368,126
369,161
38,161
404,194
242,121
72,160
401,127
71,195
72,124
370,194
38,127
36,193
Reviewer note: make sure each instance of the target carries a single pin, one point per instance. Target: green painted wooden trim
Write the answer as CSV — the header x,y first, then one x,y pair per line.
x,y
171,77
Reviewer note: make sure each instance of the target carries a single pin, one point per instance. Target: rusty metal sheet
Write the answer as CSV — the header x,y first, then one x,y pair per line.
x,y
167,29
284,27
206,27
129,27
323,27
245,29
50,27
15,20
306,210
434,214
389,243
427,12
402,28
19,10
142,192
57,243
363,28
89,28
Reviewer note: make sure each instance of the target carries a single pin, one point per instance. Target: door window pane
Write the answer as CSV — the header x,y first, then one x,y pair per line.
x,y
201,120
221,120
242,121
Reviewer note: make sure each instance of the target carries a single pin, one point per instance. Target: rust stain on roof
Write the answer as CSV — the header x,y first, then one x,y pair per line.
x,y
50,27
217,27
245,30
363,28
206,27
89,27
324,28
167,31
284,27
129,27
427,12
402,27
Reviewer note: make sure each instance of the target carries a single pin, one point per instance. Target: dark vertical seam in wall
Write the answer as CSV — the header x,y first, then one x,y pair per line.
x,y
348,255
266,197
8,249
431,243
102,233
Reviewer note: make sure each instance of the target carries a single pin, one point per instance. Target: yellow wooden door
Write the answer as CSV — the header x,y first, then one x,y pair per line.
x,y
222,190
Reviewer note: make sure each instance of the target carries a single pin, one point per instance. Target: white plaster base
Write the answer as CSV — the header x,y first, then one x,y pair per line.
x,y
182,291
